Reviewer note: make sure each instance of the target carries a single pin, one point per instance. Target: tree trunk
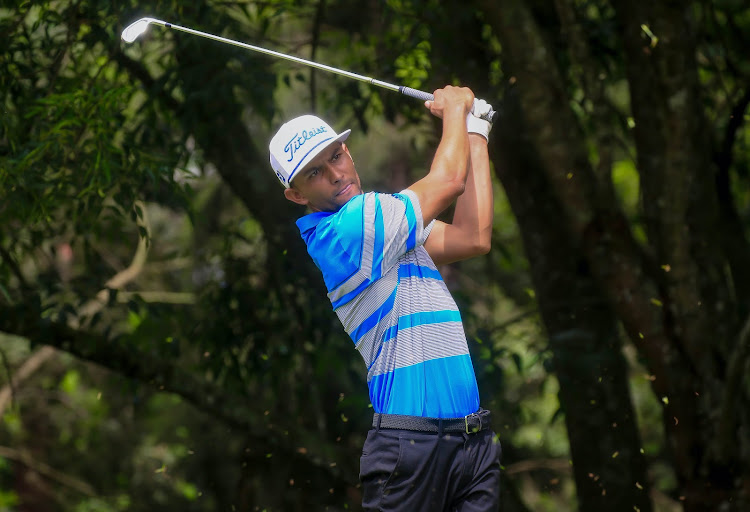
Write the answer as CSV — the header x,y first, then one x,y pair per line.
x,y
673,295
583,331
682,215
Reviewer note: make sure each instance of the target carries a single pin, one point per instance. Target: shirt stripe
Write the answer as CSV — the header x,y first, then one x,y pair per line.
x,y
412,270
374,318
427,317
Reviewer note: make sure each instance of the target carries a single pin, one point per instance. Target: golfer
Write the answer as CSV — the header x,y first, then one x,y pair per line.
x,y
431,447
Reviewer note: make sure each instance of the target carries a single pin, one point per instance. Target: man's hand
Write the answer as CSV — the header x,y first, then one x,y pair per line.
x,y
450,98
476,120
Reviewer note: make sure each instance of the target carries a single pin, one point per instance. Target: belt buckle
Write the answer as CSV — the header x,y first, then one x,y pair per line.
x,y
466,421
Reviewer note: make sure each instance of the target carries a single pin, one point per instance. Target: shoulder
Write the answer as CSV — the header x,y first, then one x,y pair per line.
x,y
360,213
398,199
347,224
404,203
336,243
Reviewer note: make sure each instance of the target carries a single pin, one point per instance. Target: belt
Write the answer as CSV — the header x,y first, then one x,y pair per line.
x,y
469,424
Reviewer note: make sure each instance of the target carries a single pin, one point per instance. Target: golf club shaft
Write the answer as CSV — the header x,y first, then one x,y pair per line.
x,y
132,31
415,93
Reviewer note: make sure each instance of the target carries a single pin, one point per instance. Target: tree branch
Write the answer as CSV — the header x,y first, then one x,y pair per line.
x,y
47,471
39,357
141,74
738,360
11,388
124,276
159,296
736,245
319,11
725,157
525,466
164,375
29,366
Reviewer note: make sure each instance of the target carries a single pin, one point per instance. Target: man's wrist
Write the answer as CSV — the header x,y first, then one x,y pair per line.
x,y
477,138
454,110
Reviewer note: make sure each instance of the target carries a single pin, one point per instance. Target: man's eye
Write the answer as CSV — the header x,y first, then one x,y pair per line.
x,y
313,173
335,157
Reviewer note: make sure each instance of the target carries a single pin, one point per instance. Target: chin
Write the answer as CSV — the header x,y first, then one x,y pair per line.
x,y
343,198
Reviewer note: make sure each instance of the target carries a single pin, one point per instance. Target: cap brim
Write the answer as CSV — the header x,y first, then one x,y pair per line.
x,y
341,137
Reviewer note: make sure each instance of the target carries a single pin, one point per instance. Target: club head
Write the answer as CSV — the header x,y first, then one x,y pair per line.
x,y
135,29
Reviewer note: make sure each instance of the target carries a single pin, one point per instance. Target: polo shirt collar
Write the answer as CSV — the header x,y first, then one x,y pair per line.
x,y
311,221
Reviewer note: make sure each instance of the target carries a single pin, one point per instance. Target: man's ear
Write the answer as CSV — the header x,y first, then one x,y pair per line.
x,y
346,150
295,196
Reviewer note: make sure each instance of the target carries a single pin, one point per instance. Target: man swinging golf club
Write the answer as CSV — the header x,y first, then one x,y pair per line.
x,y
431,447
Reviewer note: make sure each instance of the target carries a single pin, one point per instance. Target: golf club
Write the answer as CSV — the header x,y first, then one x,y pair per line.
x,y
138,27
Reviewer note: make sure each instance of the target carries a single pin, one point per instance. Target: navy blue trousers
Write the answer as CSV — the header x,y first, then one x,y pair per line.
x,y
420,471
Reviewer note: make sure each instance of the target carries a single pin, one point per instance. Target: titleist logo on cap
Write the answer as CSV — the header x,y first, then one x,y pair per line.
x,y
289,148
298,140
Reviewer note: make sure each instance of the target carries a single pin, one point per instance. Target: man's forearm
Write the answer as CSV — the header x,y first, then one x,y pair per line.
x,y
447,177
474,211
452,155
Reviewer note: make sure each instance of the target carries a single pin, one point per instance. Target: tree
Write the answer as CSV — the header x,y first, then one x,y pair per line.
x,y
677,288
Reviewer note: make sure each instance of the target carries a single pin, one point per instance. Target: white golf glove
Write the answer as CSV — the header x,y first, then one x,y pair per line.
x,y
475,120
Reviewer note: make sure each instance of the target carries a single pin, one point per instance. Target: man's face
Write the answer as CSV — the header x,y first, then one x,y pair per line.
x,y
327,182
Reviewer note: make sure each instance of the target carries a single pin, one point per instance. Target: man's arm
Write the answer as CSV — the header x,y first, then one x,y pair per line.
x,y
447,177
470,232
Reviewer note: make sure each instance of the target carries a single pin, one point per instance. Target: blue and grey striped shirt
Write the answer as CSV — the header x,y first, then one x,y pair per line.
x,y
392,301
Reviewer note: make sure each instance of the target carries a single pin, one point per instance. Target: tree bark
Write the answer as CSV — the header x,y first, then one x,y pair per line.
x,y
583,331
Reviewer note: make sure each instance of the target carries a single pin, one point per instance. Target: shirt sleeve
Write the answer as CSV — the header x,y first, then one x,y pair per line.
x,y
427,231
419,217
398,227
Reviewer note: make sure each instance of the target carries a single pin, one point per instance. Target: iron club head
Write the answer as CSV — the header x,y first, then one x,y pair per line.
x,y
135,29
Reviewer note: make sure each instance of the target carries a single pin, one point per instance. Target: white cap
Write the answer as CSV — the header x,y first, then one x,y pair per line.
x,y
299,141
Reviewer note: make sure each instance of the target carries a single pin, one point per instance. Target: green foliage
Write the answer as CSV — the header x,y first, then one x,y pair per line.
x,y
8,500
